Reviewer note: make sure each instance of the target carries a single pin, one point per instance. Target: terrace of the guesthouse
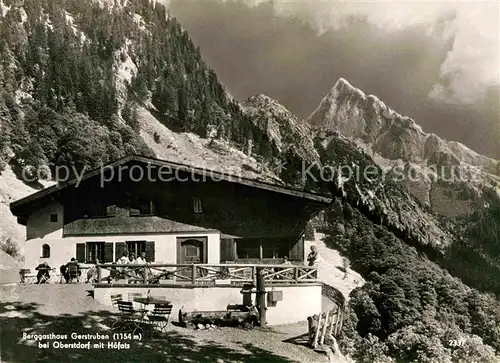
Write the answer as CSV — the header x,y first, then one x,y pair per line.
x,y
293,292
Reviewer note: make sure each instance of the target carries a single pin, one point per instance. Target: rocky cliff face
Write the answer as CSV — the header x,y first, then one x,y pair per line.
x,y
285,130
440,169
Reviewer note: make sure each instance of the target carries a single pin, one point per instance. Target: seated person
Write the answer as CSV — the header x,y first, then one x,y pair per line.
x,y
140,260
124,259
43,271
64,272
92,273
132,272
287,274
71,269
118,273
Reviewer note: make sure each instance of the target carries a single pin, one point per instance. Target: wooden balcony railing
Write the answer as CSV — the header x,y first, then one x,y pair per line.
x,y
205,274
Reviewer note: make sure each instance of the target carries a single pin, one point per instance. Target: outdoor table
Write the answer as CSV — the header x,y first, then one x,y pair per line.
x,y
148,301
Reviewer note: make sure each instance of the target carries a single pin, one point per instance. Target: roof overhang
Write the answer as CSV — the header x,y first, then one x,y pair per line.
x,y
52,192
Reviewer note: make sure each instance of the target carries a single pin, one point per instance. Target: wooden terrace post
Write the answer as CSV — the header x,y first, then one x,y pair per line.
x,y
193,276
145,274
261,296
99,273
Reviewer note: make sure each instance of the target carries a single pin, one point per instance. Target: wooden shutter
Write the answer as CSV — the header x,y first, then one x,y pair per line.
x,y
150,251
119,249
297,250
227,249
108,252
80,252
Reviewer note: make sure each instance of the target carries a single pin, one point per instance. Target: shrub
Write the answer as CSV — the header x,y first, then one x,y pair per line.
x,y
11,248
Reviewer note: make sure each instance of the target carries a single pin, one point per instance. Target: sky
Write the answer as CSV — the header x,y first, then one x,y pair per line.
x,y
436,62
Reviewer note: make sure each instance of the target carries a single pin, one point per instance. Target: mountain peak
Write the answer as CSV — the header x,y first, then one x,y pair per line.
x,y
343,86
263,102
285,130
261,98
367,120
342,82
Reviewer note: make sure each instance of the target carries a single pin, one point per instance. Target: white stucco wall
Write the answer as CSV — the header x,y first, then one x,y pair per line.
x,y
299,301
63,249
39,225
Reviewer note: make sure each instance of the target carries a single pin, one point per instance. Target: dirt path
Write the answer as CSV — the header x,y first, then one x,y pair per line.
x,y
63,309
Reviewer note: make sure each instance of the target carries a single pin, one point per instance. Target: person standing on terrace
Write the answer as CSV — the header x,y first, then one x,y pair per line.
x,y
313,257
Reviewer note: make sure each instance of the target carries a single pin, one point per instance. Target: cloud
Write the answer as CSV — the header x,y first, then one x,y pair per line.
x,y
470,68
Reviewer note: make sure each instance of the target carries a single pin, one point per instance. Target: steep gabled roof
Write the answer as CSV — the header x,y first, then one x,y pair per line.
x,y
16,206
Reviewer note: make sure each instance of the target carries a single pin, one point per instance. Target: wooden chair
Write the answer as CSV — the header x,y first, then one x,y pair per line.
x,y
160,315
45,279
114,303
129,319
27,277
115,299
73,273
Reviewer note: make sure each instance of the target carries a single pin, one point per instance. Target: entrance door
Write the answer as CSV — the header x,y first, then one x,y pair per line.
x,y
191,250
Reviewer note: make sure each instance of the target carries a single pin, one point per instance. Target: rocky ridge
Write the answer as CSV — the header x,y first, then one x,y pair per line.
x,y
397,142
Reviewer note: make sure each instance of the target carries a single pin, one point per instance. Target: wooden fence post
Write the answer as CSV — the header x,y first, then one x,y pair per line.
x,y
145,274
99,273
325,325
314,327
316,333
333,320
338,327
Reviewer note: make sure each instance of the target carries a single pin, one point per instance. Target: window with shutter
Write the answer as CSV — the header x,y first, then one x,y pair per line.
x,y
45,251
95,251
150,251
136,247
108,252
80,252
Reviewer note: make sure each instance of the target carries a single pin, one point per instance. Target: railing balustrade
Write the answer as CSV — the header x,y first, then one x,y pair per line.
x,y
205,274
